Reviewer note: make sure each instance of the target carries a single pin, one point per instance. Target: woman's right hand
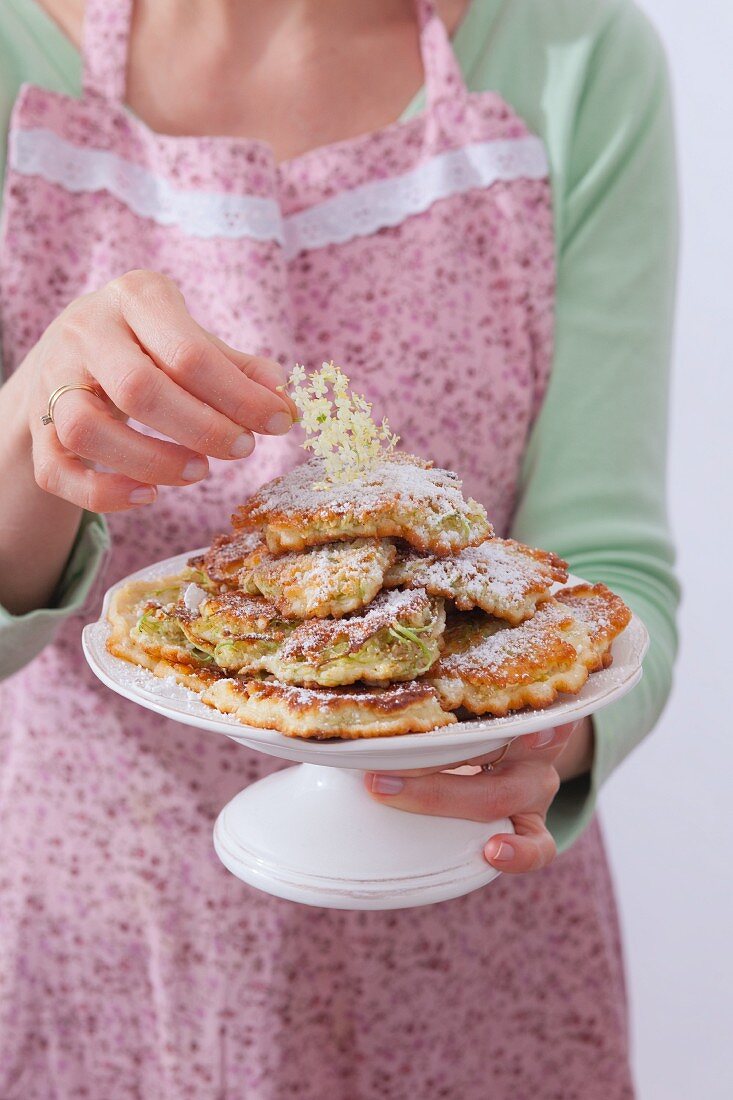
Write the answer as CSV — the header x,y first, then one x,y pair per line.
x,y
135,342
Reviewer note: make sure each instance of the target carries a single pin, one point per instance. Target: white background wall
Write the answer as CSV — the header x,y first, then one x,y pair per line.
x,y
668,812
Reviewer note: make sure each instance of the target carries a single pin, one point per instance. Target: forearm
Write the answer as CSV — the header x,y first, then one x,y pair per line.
x,y
37,530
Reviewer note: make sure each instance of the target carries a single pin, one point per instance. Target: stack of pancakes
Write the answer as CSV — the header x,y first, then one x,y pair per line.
x,y
378,607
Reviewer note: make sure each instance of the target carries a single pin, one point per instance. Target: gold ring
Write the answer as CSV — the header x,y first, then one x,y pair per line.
x,y
490,767
48,418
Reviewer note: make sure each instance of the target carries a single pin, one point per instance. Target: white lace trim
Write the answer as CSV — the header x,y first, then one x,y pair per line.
x,y
198,213
358,212
383,203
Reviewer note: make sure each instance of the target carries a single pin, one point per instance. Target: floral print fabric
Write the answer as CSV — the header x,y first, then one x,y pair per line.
x,y
132,964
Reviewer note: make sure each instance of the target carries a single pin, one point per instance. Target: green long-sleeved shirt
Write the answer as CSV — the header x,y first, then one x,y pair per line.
x,y
589,77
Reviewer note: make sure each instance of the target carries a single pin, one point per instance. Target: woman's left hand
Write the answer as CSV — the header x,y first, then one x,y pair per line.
x,y
521,787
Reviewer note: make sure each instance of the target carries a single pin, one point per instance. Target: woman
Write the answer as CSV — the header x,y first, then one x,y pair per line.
x,y
195,198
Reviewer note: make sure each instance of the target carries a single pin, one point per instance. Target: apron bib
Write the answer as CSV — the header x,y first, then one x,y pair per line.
x,y
419,258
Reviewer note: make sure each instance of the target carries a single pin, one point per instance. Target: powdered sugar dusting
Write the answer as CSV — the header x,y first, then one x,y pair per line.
x,y
601,611
140,683
322,576
402,479
490,644
327,698
498,570
232,605
226,554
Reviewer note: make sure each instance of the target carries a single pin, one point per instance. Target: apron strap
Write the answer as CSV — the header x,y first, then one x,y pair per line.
x,y
104,49
107,30
443,76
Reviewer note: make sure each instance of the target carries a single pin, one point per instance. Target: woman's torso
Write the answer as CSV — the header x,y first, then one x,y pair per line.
x,y
161,975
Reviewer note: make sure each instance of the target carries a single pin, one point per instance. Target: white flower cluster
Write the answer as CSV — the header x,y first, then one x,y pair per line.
x,y
338,424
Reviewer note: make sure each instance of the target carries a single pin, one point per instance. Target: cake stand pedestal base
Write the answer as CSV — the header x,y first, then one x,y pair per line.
x,y
313,834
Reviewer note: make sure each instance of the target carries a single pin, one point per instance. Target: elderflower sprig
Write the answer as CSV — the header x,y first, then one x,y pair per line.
x,y
338,424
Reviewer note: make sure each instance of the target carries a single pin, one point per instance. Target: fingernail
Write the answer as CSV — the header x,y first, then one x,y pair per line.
x,y
543,738
242,446
275,375
387,784
279,423
144,495
504,852
195,469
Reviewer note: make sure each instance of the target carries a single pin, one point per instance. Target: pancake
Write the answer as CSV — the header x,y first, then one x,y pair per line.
x,y
222,562
322,713
402,497
603,614
490,667
146,632
236,630
502,577
397,637
330,580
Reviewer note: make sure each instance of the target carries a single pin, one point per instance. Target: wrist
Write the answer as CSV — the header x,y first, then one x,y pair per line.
x,y
576,758
15,397
30,567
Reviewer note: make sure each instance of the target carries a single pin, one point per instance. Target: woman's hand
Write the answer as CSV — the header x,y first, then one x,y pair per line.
x,y
521,787
135,341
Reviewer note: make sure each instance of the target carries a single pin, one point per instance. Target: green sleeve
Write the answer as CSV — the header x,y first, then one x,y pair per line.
x,y
33,50
593,484
22,637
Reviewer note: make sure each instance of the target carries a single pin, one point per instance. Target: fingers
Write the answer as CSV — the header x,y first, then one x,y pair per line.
x,y
155,311
530,848
483,797
543,746
520,791
136,342
266,372
64,475
144,393
550,741
85,426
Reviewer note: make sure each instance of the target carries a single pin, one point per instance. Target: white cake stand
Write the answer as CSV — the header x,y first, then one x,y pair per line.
x,y
313,834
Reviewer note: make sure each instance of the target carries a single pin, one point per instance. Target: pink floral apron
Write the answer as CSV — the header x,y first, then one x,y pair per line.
x,y
132,964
